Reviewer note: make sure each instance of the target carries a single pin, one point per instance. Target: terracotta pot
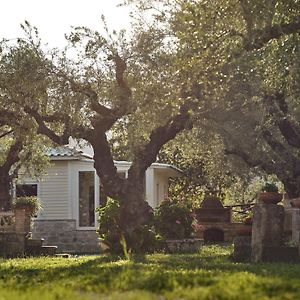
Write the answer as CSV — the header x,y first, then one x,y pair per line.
x,y
270,197
295,202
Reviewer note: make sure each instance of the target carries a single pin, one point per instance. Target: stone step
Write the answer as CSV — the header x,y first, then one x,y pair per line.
x,y
34,242
33,247
48,250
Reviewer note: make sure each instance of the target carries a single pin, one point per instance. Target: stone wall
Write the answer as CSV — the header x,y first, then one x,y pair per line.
x,y
12,244
63,234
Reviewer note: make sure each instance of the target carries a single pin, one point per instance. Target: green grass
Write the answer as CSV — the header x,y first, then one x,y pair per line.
x,y
207,275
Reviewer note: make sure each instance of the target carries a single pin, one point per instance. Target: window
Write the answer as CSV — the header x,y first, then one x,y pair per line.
x,y
86,199
26,190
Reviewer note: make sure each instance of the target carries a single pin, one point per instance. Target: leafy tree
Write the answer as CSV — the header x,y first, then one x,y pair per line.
x,y
21,147
245,55
108,80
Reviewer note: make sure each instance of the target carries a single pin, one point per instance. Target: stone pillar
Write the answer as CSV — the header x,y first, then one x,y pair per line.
x,y
296,225
242,248
267,228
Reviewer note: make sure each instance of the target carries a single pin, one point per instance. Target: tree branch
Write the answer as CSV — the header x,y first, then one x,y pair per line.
x,y
6,133
12,155
104,164
124,89
244,156
158,137
261,37
278,109
44,129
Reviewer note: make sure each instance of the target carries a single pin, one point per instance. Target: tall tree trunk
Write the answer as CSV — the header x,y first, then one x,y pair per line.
x,y
5,192
12,157
135,212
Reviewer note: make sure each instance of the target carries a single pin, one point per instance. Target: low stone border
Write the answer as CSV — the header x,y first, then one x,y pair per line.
x,y
182,246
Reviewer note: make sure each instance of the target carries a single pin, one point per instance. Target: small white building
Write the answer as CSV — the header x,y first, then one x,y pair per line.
x,y
70,192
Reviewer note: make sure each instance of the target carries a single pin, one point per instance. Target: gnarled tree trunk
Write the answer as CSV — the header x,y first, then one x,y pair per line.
x,y
5,191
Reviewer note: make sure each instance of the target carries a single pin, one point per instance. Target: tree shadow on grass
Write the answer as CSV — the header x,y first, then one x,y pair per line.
x,y
156,272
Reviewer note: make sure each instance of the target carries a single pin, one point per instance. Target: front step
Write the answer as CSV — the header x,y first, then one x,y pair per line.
x,y
34,242
33,247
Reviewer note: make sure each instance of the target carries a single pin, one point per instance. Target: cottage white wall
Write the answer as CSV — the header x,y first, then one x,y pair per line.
x,y
156,184
160,187
59,188
54,192
149,187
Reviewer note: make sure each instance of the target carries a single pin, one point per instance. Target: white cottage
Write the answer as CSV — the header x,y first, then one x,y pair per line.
x,y
70,192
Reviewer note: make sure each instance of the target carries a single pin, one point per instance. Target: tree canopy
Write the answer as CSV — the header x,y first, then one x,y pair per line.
x,y
228,69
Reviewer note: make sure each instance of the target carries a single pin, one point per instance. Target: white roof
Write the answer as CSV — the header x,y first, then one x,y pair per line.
x,y
66,153
71,153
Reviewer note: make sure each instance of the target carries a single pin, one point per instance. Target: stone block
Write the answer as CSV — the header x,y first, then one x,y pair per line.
x,y
280,254
296,225
267,228
288,212
242,248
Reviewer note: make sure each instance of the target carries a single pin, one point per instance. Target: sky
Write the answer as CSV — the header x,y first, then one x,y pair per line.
x,y
54,18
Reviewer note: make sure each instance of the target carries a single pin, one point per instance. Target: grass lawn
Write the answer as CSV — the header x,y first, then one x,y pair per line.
x,y
207,275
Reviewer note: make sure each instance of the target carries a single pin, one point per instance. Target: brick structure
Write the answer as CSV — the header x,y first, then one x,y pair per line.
x,y
230,230
215,221
22,220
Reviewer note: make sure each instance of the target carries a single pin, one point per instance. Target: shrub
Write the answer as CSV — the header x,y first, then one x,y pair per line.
x,y
31,202
109,219
270,187
118,237
173,220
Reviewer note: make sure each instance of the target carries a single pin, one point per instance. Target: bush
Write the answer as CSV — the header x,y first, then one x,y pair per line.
x,y
109,231
141,239
270,187
31,202
173,220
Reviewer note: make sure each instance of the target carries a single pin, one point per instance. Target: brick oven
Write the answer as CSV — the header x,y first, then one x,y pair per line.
x,y
215,221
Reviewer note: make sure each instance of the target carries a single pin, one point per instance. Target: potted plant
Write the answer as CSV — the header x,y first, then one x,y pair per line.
x,y
25,208
269,194
30,204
